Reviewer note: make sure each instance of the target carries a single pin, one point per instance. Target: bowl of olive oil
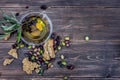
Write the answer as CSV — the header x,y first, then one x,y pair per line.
x,y
36,28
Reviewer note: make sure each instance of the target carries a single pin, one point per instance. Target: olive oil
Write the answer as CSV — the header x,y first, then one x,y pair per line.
x,y
35,29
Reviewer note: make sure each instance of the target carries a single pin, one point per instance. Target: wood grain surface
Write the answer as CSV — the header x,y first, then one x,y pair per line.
x,y
98,59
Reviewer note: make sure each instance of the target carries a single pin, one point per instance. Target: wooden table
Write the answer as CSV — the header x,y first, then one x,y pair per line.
x,y
98,59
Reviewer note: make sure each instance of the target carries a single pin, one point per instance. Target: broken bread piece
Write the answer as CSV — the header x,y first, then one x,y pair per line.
x,y
7,61
49,51
13,53
29,66
50,48
46,54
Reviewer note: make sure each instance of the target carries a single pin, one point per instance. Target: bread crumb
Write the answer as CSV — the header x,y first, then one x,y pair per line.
x,y
29,66
13,53
7,61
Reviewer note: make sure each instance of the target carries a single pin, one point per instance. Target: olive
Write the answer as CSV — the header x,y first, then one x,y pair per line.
x,y
58,43
53,36
40,59
41,47
38,62
60,64
33,46
41,51
64,63
33,58
21,45
70,67
67,38
87,38
38,49
17,14
14,45
67,45
59,47
37,53
35,50
63,43
67,41
43,7
31,52
65,78
58,38
27,7
55,47
55,42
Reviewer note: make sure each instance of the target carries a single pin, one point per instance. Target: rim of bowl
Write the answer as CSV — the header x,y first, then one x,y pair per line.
x,y
49,21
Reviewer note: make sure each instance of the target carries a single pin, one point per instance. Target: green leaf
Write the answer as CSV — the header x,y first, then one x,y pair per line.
x,y
1,22
19,35
6,17
8,28
13,15
2,36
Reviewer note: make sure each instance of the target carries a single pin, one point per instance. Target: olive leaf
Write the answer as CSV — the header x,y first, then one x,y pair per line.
x,y
2,36
8,28
13,15
19,35
8,18
14,25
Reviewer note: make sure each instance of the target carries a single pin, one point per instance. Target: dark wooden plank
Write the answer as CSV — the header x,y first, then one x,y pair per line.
x,y
34,78
98,23
97,59
89,3
60,78
92,59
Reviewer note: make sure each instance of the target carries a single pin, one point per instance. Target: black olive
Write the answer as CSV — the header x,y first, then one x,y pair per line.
x,y
17,14
43,7
58,38
60,64
55,47
53,36
70,67
41,47
58,43
14,45
27,7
